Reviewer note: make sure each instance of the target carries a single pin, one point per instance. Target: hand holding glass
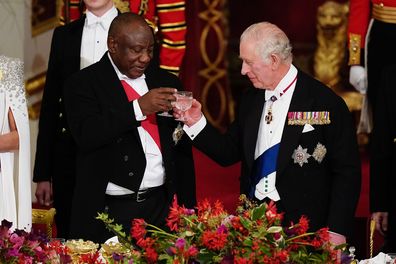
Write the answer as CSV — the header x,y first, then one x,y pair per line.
x,y
183,103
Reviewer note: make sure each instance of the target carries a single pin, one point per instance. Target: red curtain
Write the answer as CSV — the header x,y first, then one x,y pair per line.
x,y
204,71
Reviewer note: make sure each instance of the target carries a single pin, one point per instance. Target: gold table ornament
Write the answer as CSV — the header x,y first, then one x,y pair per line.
x,y
372,229
44,216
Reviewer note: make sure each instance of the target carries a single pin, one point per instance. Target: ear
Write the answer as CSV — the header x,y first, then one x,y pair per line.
x,y
275,61
111,44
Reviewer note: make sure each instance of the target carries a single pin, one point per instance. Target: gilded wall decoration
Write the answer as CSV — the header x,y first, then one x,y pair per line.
x,y
45,15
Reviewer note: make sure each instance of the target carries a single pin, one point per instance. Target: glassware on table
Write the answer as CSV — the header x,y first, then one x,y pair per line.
x,y
392,258
183,102
165,113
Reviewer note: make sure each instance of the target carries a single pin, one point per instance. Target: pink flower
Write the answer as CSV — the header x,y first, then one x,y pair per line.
x,y
180,243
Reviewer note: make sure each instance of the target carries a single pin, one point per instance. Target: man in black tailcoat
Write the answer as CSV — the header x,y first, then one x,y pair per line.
x,y
74,46
294,136
125,167
383,160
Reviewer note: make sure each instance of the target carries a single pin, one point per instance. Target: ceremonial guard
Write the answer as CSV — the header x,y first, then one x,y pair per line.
x,y
168,17
372,36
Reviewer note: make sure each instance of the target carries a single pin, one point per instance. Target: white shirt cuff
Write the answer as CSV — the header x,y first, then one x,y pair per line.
x,y
195,129
138,112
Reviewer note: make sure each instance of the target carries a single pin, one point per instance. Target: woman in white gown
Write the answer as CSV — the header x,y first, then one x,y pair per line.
x,y
15,173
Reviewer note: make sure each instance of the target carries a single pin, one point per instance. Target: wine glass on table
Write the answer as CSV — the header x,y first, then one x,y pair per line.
x,y
183,103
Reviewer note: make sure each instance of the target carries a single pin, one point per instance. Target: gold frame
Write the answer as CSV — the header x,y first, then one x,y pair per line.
x,y
33,86
46,23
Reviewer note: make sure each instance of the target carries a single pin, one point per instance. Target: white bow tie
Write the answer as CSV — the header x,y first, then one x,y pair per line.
x,y
93,20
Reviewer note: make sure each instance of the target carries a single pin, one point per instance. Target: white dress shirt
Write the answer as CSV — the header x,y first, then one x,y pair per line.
x,y
94,36
268,134
271,134
154,175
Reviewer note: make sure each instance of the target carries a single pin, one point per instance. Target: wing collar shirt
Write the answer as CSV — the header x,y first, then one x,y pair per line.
x,y
271,134
154,174
268,134
94,36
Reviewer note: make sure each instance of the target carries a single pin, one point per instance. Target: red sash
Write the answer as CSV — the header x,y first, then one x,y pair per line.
x,y
150,123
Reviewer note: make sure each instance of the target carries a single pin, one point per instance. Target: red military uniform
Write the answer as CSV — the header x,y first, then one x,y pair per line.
x,y
382,38
168,17
381,53
361,11
72,13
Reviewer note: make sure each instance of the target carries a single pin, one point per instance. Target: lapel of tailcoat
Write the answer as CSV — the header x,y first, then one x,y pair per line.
x,y
74,50
117,96
301,102
252,124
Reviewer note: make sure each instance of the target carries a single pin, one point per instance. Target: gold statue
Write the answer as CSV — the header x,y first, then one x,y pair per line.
x,y
331,36
122,5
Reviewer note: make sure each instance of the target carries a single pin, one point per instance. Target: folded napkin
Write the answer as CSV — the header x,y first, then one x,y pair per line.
x,y
381,258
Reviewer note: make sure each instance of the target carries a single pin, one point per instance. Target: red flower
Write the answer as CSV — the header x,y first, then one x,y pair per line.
x,y
151,255
218,208
241,260
303,225
175,212
138,230
317,243
145,242
90,258
323,234
283,255
191,252
272,214
214,240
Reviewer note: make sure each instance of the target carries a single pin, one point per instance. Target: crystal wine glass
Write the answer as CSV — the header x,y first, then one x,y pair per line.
x,y
183,102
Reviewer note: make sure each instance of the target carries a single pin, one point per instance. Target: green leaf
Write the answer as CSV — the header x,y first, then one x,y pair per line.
x,y
189,233
248,242
246,223
205,256
274,229
258,212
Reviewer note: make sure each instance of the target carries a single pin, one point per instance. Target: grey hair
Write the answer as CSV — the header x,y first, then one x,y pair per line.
x,y
270,40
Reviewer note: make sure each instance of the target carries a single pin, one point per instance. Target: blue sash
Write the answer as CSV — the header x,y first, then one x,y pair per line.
x,y
264,166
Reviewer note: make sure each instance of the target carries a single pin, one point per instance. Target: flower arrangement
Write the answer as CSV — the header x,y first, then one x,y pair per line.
x,y
22,247
211,235
205,235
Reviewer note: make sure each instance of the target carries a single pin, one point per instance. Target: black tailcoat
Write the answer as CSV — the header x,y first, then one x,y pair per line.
x,y
103,123
326,192
383,154
56,150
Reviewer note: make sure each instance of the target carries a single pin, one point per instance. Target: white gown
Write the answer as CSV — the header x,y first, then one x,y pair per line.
x,y
15,172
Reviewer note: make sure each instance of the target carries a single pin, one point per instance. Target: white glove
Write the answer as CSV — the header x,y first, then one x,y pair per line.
x,y
358,78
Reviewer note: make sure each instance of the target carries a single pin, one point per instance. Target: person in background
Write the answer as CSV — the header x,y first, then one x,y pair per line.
x,y
371,37
74,47
383,160
15,173
129,162
168,19
294,136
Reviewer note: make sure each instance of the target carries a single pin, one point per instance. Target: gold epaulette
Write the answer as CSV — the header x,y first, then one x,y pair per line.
x,y
385,14
354,49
